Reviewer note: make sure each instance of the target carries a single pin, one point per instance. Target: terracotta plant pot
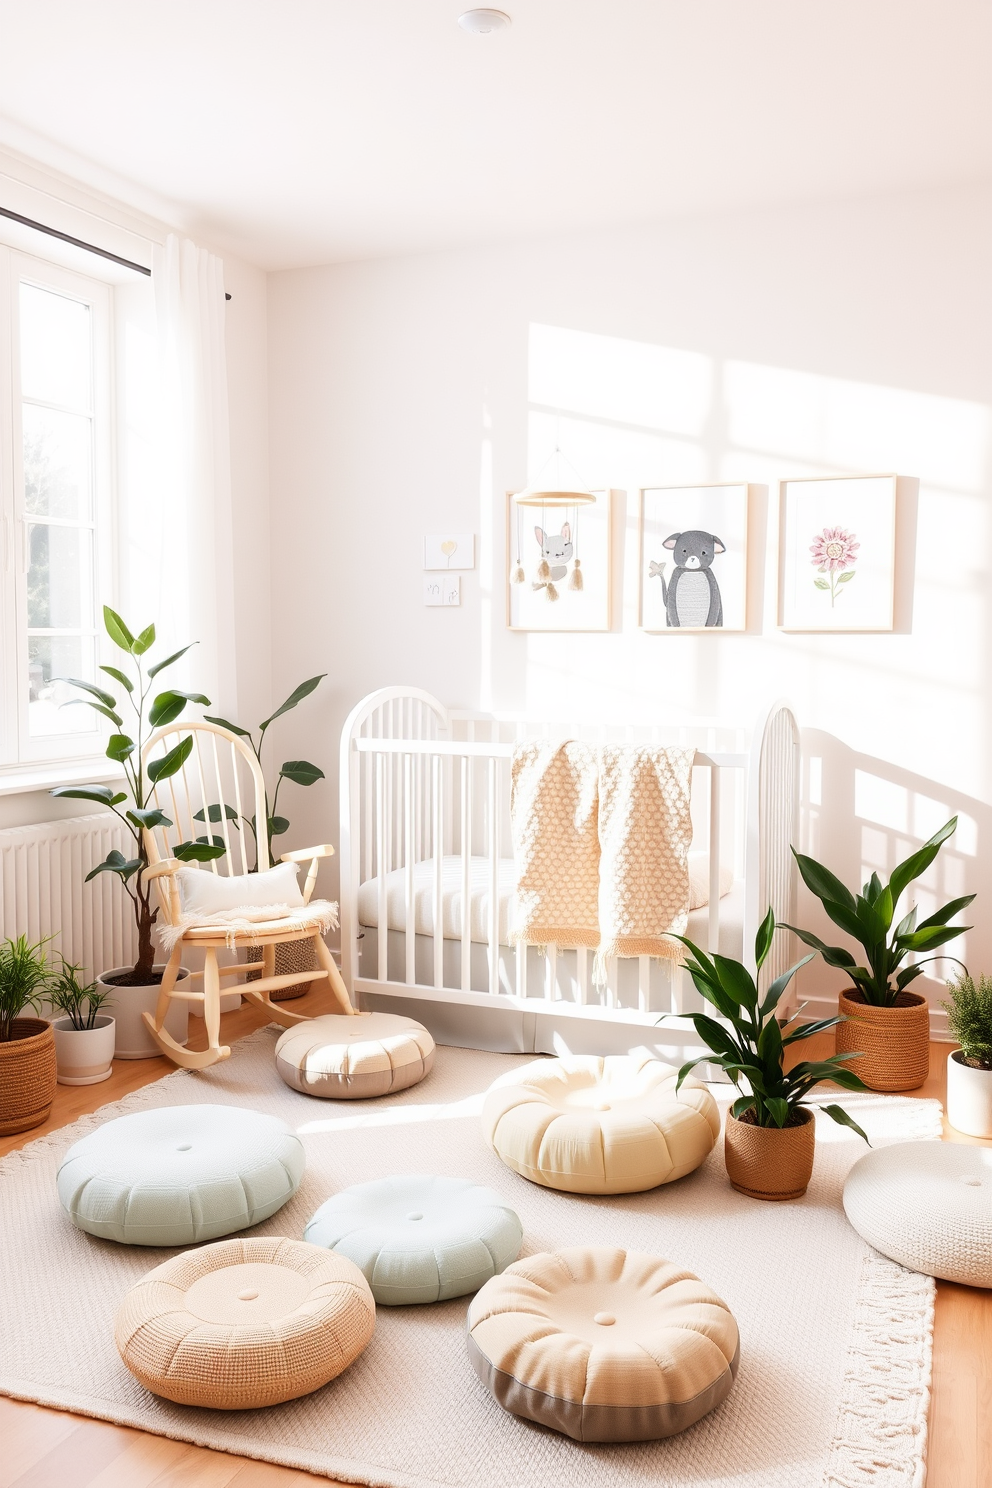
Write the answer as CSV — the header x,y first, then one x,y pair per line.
x,y
126,1005
27,1075
770,1162
84,1055
969,1097
894,1042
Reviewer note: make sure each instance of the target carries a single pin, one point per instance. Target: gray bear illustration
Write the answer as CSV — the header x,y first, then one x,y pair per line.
x,y
556,551
692,599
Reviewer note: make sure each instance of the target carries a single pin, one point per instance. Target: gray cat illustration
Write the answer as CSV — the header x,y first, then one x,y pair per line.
x,y
692,599
556,551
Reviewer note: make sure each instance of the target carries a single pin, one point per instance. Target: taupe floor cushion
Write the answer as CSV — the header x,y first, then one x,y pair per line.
x,y
245,1323
603,1345
348,1058
180,1174
600,1126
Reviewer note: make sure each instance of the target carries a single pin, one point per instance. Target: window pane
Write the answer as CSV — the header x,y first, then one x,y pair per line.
x,y
56,358
58,463
60,578
51,658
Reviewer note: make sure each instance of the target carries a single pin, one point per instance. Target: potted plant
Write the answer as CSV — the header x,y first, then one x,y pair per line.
x,y
27,1045
969,1069
134,988
884,1021
297,955
84,1035
770,1133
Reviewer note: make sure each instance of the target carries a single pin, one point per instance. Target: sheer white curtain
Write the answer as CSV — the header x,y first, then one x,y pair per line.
x,y
195,561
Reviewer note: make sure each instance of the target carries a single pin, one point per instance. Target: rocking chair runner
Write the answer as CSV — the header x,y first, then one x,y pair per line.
x,y
206,800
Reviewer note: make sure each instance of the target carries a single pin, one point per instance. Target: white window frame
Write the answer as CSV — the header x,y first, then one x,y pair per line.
x,y
18,750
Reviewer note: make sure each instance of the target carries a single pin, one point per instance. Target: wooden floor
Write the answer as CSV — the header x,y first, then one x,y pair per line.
x,y
52,1449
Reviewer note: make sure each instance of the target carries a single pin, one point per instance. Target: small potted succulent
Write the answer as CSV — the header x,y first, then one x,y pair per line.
x,y
969,1069
27,1045
770,1133
884,1020
84,1034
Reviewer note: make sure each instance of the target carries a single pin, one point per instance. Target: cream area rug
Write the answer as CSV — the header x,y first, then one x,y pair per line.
x,y
833,1386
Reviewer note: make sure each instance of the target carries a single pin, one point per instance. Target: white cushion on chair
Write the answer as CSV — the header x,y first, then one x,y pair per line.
x,y
203,892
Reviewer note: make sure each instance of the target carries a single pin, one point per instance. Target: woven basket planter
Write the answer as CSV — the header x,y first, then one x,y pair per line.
x,y
770,1162
292,955
894,1042
27,1076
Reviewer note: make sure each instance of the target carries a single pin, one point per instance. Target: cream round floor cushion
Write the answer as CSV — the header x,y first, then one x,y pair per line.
x,y
244,1323
595,1126
927,1205
346,1058
419,1239
180,1174
603,1344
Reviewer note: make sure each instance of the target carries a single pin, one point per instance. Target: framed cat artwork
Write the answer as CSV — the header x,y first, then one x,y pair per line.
x,y
692,558
559,562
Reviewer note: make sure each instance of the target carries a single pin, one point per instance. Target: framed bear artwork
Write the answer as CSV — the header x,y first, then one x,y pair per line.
x,y
558,561
692,558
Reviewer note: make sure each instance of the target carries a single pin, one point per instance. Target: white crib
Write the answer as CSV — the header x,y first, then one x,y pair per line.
x,y
427,876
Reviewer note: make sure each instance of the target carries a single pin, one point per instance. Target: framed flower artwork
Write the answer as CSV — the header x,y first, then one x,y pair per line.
x,y
837,543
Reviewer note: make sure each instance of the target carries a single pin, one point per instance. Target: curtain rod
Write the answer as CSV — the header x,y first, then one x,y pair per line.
x,y
53,232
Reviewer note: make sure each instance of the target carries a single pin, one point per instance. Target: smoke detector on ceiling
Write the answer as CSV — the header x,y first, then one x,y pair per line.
x,y
482,22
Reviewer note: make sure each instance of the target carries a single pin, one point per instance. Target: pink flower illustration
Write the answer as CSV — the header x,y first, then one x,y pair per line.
x,y
835,553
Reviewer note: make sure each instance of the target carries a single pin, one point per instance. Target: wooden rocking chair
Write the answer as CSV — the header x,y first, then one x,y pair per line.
x,y
213,798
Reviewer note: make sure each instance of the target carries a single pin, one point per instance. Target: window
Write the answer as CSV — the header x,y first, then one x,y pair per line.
x,y
55,503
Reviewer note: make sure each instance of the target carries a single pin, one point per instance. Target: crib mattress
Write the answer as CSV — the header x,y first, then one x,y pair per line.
x,y
479,894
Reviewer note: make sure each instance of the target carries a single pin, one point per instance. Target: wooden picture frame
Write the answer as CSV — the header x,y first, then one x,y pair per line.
x,y
699,585
837,553
588,609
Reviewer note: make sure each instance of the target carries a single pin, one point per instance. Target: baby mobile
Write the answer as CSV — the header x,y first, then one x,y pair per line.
x,y
557,532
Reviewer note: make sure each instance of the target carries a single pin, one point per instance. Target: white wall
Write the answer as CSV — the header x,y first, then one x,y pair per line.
x,y
407,396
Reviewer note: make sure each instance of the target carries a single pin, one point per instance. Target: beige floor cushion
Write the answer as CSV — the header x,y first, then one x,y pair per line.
x,y
245,1323
347,1058
603,1345
589,1125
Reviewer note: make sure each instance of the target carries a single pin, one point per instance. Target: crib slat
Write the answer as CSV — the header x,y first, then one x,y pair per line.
x,y
382,936
438,862
493,879
466,977
582,973
713,918
643,983
409,853
551,989
521,968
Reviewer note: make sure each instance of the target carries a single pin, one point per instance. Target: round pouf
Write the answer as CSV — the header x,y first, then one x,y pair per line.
x,y
244,1323
596,1126
347,1058
927,1205
180,1174
419,1239
603,1345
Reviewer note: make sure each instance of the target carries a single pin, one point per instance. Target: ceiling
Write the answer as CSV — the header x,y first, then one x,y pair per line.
x,y
311,131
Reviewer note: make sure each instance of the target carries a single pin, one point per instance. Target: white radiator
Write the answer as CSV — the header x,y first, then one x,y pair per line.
x,y
43,890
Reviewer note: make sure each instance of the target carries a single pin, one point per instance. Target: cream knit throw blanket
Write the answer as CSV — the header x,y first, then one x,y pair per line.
x,y
601,845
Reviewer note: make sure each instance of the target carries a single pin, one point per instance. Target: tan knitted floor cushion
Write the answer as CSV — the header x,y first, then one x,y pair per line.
x,y
348,1058
245,1323
595,1126
603,1345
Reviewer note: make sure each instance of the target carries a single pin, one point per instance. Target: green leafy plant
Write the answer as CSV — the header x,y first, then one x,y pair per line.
x,y
150,712
67,996
300,772
24,981
750,1044
867,917
969,1018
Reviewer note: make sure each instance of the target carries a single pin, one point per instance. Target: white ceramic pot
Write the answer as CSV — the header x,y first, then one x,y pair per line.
x,y
127,1004
84,1055
969,1097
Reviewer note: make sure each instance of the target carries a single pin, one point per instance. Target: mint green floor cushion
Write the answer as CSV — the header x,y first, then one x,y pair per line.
x,y
180,1174
419,1239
